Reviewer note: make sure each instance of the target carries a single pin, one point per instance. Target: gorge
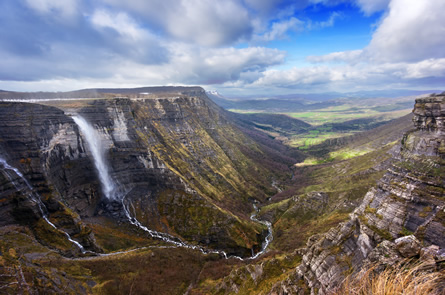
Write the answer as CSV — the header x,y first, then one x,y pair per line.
x,y
163,177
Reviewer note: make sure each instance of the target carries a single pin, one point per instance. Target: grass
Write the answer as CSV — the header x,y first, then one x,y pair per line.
x,y
344,113
257,277
344,154
324,130
322,117
402,279
328,123
345,182
314,137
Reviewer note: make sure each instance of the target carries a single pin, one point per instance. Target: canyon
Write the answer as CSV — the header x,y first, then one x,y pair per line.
x,y
161,176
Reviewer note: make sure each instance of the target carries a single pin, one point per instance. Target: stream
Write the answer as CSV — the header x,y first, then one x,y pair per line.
x,y
37,199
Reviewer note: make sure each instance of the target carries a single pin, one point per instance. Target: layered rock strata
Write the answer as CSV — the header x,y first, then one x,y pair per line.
x,y
402,217
177,163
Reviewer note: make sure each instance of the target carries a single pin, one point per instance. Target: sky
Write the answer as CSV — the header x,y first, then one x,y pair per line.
x,y
237,47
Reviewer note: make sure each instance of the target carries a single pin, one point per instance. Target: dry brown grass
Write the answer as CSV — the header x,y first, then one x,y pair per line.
x,y
403,279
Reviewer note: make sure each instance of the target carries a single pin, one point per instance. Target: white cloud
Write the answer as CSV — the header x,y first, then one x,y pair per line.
x,y
187,64
125,37
204,22
209,23
280,29
371,6
412,31
426,68
63,10
324,24
351,56
349,77
120,22
219,65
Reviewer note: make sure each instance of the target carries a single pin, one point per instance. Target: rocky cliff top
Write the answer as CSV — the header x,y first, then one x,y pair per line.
x,y
429,113
106,93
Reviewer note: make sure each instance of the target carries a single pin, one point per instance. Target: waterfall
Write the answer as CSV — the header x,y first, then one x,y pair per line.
x,y
94,143
37,200
16,171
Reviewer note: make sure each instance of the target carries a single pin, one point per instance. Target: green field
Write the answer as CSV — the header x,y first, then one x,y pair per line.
x,y
313,137
344,113
328,122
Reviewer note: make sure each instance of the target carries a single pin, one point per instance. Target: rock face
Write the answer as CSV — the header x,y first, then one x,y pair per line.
x,y
403,216
177,163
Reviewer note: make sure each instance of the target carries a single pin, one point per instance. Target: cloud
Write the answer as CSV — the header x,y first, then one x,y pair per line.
x,y
426,68
280,29
371,6
186,64
210,42
426,73
124,36
411,31
65,10
208,23
120,22
192,65
352,56
265,6
324,24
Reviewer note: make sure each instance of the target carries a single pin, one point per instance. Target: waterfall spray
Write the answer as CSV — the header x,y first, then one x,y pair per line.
x,y
93,140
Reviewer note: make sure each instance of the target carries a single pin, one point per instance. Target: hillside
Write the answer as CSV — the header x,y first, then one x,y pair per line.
x,y
173,149
397,228
160,191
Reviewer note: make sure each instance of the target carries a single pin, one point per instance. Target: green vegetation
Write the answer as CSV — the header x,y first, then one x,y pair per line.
x,y
344,184
257,277
345,113
327,121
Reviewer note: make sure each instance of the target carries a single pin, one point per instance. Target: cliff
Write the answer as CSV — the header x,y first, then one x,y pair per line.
x,y
176,162
402,217
146,190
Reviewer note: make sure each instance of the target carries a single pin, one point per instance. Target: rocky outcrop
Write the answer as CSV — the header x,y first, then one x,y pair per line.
x,y
429,113
402,217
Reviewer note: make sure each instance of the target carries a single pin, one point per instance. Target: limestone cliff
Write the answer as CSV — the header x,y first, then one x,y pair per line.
x,y
177,162
403,216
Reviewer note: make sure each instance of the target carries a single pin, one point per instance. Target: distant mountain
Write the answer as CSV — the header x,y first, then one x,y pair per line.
x,y
273,105
390,93
375,100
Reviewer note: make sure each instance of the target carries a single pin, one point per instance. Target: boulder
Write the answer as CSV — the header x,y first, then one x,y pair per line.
x,y
408,246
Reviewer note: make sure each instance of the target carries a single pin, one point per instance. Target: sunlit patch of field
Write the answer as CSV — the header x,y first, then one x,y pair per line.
x,y
313,137
339,114
330,123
